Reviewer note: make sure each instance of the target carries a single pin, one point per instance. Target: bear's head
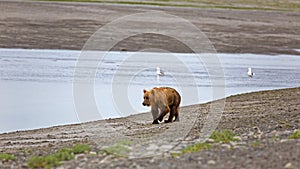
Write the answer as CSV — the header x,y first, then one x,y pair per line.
x,y
147,96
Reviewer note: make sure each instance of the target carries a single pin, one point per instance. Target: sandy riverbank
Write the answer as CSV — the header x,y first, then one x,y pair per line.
x,y
263,118
51,25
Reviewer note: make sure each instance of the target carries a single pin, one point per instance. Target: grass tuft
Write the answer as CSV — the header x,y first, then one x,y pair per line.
x,y
196,148
255,144
56,159
43,162
64,154
224,136
193,148
7,157
295,135
81,148
117,150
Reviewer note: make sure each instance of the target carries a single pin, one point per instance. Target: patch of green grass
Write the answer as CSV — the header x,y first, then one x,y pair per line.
x,y
276,138
26,151
7,157
81,148
120,149
224,136
64,154
255,144
193,148
117,150
43,162
196,147
55,159
295,135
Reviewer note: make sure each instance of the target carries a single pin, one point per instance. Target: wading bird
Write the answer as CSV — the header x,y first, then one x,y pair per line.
x,y
250,73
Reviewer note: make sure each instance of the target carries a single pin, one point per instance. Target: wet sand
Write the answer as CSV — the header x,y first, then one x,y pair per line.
x,y
265,118
50,25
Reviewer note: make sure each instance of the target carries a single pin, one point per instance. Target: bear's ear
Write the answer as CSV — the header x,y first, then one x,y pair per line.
x,y
144,90
152,92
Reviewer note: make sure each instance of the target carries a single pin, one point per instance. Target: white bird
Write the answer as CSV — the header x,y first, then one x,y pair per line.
x,y
159,72
250,73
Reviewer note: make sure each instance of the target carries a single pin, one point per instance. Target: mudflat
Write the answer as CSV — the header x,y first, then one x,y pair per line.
x,y
68,25
262,121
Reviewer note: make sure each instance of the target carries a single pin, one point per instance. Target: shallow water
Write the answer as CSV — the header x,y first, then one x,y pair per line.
x,y
36,86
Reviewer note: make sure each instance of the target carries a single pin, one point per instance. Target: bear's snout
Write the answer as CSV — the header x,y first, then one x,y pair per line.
x,y
145,104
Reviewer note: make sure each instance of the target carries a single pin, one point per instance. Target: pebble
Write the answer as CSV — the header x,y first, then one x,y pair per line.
x,y
283,140
238,138
210,140
256,129
242,143
239,147
166,147
93,153
199,158
226,146
233,143
288,166
190,138
152,147
79,156
211,162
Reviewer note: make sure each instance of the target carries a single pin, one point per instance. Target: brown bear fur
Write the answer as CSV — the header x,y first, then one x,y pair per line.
x,y
165,100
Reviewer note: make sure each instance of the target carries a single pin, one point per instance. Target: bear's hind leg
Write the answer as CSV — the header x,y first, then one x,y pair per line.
x,y
171,116
163,112
176,114
173,113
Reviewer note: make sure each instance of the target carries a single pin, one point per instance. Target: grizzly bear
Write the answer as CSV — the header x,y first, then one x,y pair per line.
x,y
163,100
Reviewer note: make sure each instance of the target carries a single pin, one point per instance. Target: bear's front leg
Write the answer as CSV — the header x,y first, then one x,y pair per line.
x,y
154,111
155,121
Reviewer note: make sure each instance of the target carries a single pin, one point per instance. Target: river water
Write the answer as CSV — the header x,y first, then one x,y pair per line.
x,y
37,86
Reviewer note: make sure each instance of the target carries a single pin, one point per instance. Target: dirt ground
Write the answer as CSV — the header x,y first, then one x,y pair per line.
x,y
263,120
49,25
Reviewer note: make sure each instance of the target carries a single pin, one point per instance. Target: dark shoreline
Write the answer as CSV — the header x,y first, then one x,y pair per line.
x,y
69,25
